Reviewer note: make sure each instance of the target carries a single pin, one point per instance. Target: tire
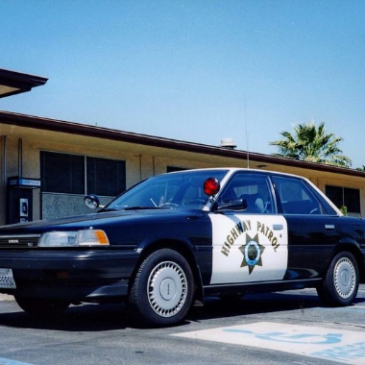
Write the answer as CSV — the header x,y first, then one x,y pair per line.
x,y
42,307
341,282
163,289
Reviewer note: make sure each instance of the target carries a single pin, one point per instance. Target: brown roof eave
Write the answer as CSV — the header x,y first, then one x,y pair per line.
x,y
20,82
19,78
28,121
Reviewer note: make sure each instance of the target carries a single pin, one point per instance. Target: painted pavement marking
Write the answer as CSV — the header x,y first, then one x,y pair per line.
x,y
343,346
12,362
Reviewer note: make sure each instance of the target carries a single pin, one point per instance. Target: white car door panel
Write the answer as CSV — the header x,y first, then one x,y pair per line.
x,y
248,248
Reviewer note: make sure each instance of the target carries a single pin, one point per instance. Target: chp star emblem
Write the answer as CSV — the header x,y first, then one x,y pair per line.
x,y
252,252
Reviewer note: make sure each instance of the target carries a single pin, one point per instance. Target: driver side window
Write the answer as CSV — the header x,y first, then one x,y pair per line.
x,y
252,187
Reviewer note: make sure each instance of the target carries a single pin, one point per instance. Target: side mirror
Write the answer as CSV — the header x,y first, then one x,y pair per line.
x,y
235,204
92,201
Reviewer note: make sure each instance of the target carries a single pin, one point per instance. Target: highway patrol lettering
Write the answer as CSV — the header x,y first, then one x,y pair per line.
x,y
244,226
267,232
238,229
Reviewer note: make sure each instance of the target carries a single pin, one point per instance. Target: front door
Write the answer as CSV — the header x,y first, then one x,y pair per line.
x,y
249,248
249,245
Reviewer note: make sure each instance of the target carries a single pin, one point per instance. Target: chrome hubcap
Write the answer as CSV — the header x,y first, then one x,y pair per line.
x,y
345,278
167,289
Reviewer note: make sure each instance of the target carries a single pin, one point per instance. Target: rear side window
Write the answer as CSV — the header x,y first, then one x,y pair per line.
x,y
296,197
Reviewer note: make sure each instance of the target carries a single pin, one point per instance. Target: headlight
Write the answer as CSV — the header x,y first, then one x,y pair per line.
x,y
87,237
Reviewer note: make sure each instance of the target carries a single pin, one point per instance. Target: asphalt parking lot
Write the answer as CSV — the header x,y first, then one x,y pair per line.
x,y
289,327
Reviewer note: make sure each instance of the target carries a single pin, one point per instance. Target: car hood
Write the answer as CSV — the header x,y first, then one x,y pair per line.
x,y
99,219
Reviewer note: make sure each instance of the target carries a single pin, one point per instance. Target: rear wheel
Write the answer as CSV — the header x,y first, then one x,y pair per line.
x,y
42,307
163,290
341,282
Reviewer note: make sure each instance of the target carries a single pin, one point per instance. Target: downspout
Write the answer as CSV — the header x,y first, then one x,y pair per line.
x,y
3,140
20,158
4,189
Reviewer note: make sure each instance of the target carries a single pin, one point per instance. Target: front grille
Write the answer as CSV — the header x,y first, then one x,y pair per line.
x,y
21,241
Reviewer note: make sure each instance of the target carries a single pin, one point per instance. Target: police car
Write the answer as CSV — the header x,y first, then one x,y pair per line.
x,y
180,237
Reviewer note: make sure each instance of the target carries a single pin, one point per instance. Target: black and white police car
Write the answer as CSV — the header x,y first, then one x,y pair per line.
x,y
180,237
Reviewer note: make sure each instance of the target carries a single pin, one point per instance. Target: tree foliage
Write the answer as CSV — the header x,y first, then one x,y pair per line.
x,y
312,144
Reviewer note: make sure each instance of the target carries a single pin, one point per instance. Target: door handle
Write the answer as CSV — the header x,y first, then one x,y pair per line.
x,y
329,226
277,227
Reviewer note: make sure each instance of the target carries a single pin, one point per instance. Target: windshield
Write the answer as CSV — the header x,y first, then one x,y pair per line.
x,y
175,190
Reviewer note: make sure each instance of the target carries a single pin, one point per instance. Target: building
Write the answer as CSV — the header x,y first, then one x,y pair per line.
x,y
47,166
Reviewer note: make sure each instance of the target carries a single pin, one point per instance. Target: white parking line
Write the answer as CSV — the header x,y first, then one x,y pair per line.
x,y
343,346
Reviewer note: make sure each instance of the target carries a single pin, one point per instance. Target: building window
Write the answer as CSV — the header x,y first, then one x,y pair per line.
x,y
105,177
70,174
340,196
61,173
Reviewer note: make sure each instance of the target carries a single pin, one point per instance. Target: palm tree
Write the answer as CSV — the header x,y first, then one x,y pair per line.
x,y
312,144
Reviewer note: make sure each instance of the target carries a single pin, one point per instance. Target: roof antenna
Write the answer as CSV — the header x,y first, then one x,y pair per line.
x,y
247,147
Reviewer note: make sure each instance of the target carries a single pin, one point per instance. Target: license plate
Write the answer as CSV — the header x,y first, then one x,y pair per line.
x,y
7,279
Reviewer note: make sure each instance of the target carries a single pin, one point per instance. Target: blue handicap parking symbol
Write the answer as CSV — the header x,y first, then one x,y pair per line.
x,y
343,353
304,338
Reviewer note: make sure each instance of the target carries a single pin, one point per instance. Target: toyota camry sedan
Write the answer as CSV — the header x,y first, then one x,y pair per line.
x,y
175,239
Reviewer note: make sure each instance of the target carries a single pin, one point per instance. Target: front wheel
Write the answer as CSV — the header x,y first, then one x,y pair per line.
x,y
42,307
341,282
163,289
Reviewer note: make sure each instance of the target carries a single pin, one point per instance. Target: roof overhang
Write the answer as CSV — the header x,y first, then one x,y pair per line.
x,y
12,82
28,121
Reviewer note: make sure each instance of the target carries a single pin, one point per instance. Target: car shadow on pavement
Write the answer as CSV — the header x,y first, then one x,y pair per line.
x,y
91,317
86,317
231,306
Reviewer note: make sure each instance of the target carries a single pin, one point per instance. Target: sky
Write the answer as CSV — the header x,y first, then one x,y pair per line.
x,y
193,70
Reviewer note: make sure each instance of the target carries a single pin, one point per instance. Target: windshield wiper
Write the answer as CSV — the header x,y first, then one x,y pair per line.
x,y
137,207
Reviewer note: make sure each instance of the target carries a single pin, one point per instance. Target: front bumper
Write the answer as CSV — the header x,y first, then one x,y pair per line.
x,y
73,274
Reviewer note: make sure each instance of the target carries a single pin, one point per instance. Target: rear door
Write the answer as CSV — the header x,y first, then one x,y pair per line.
x,y
312,227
